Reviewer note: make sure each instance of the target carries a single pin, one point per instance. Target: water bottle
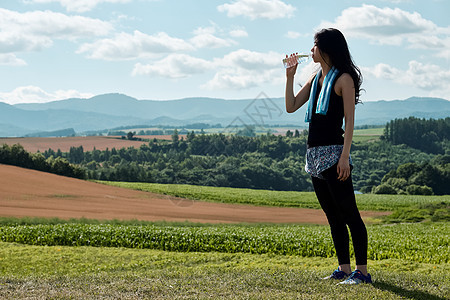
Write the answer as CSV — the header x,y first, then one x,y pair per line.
x,y
294,59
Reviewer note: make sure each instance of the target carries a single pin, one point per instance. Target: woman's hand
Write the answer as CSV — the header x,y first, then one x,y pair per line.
x,y
343,169
290,72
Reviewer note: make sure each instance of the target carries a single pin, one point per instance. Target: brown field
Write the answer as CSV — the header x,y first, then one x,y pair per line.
x,y
33,144
30,193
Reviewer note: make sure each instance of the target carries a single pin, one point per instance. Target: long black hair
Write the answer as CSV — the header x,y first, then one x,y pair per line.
x,y
332,42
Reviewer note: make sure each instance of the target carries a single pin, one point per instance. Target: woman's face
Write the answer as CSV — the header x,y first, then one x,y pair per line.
x,y
317,55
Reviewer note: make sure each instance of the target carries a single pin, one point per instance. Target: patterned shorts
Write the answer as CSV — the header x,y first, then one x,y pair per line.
x,y
320,158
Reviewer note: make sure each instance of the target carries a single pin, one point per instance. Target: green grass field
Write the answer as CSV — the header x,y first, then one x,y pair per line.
x,y
276,198
365,135
92,259
59,272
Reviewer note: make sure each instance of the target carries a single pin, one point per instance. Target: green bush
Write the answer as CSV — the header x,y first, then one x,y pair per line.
x,y
414,189
384,189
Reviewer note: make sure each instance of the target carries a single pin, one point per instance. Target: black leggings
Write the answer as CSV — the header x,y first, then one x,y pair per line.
x,y
337,200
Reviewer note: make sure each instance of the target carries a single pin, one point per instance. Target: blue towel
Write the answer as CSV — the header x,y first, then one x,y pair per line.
x,y
324,96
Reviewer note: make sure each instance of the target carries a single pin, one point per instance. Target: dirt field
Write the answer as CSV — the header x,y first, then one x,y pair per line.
x,y
29,193
33,144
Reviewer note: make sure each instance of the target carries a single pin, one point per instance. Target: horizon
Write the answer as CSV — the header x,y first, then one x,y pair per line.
x,y
54,50
208,98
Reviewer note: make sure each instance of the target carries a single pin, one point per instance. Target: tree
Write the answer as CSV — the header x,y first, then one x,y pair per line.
x,y
289,133
419,190
175,136
384,189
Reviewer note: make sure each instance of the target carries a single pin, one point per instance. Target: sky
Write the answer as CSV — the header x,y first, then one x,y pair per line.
x,y
232,49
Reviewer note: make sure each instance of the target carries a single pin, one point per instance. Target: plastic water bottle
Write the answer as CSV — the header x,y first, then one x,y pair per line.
x,y
294,59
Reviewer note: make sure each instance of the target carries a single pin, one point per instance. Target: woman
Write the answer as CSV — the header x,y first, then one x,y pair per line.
x,y
331,95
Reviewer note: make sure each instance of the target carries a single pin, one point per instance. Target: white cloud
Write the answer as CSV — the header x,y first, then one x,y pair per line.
x,y
293,35
428,77
79,5
258,9
10,59
34,94
126,46
173,66
243,69
204,38
392,27
33,31
241,79
251,60
238,33
240,69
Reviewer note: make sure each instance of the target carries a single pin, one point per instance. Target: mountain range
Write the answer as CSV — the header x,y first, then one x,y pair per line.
x,y
117,110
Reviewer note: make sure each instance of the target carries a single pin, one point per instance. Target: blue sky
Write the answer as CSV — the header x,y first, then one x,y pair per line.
x,y
160,49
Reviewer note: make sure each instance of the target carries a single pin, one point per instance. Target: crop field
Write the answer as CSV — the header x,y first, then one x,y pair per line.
x,y
369,202
414,242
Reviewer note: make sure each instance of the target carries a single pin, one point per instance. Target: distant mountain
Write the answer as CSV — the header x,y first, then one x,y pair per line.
x,y
115,110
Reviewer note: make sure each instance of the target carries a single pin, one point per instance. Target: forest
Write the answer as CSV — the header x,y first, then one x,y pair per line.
x,y
394,164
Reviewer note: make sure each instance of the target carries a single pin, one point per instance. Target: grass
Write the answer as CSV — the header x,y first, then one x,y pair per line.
x,y
371,202
369,131
91,273
367,135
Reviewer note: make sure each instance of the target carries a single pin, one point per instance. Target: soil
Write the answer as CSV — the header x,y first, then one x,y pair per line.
x,y
30,193
34,144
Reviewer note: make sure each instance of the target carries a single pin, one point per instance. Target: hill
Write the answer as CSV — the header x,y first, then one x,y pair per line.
x,y
115,110
30,193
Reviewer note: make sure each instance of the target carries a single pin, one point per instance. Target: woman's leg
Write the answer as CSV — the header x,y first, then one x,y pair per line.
x,y
343,196
339,231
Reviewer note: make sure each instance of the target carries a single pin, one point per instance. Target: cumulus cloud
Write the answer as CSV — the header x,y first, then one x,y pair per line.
x,y
250,60
131,46
428,77
240,69
258,9
10,59
238,33
173,66
243,69
204,37
34,94
33,31
392,26
79,5
293,35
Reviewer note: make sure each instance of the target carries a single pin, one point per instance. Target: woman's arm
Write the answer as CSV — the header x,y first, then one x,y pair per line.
x,y
295,102
346,88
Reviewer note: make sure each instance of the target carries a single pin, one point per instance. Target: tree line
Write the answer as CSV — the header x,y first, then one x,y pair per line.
x,y
16,155
432,136
262,162
265,162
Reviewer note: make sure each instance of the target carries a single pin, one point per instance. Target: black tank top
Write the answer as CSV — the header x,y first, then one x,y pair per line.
x,y
325,130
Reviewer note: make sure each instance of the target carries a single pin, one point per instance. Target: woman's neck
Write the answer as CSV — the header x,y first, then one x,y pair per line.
x,y
325,69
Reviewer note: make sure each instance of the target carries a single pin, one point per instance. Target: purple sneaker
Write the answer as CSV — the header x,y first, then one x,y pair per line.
x,y
337,274
357,277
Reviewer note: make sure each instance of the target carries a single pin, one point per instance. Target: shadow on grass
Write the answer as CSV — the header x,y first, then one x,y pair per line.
x,y
410,294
